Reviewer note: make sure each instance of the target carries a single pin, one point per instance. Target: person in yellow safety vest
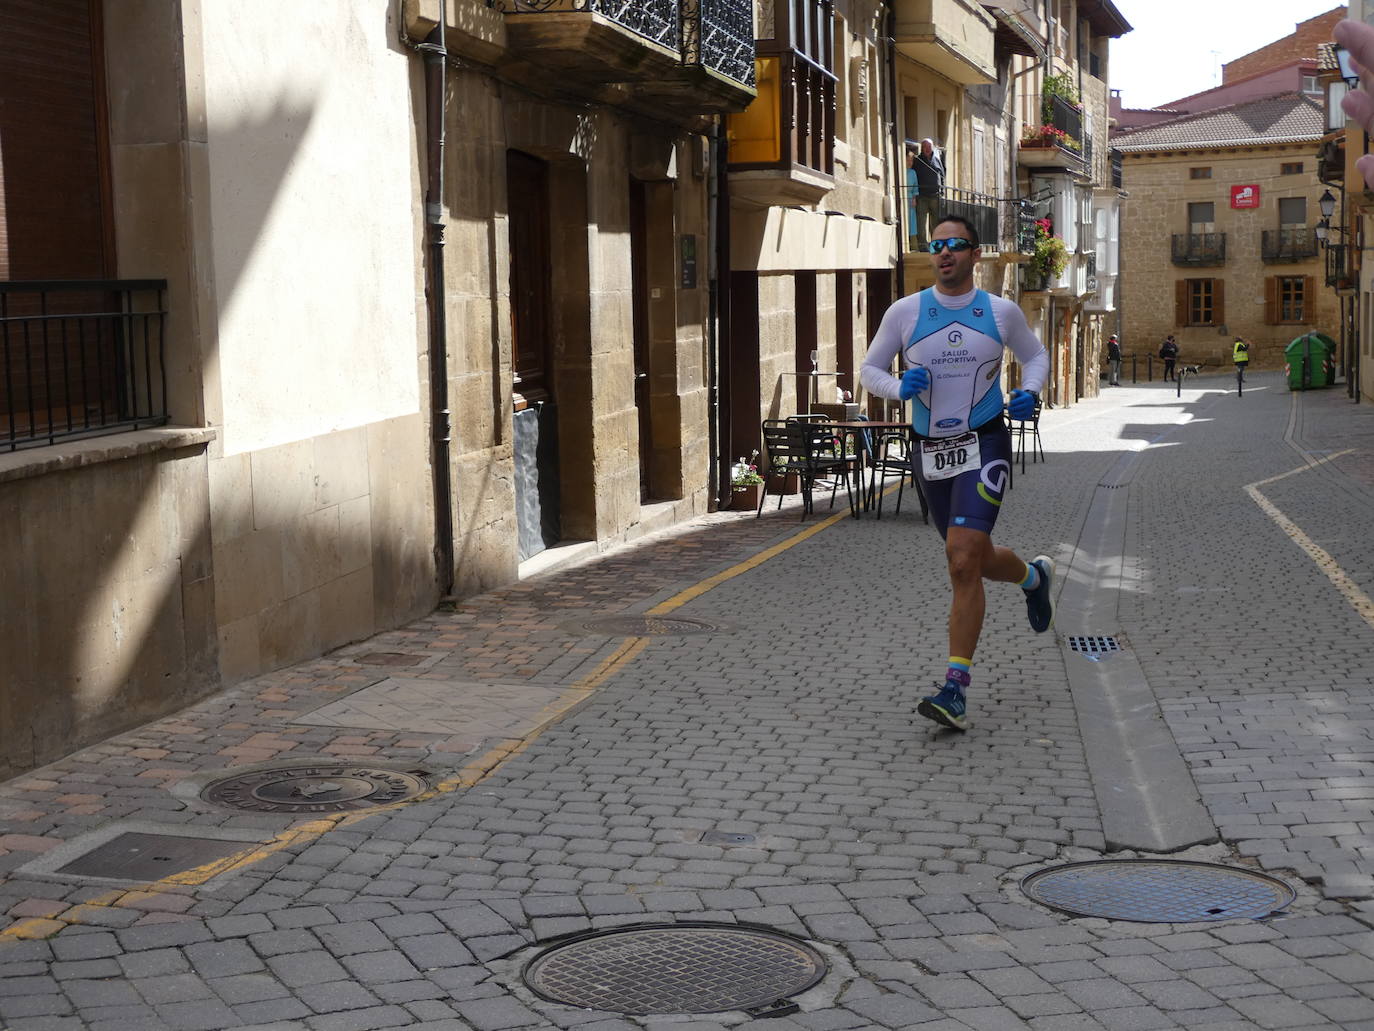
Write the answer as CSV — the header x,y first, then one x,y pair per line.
x,y
1241,353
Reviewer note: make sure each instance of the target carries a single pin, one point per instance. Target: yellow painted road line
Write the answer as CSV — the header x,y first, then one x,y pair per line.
x,y
470,774
1350,590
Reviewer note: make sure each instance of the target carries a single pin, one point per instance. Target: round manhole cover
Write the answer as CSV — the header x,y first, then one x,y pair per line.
x,y
675,968
324,788
1157,891
644,626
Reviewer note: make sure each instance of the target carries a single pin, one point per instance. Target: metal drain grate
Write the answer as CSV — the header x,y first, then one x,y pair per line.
x,y
1093,645
675,968
1157,891
323,788
644,626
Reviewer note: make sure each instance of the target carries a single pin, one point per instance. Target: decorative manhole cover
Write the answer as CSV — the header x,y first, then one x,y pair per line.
x,y
644,626
1157,891
324,788
675,968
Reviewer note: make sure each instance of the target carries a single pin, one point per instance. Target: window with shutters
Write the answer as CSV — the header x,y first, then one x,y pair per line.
x,y
1199,302
1292,212
1287,299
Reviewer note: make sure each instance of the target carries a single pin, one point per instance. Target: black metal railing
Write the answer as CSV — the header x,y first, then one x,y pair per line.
x,y
1199,248
719,35
656,20
1064,117
1278,245
978,208
80,358
1337,265
1018,225
1118,161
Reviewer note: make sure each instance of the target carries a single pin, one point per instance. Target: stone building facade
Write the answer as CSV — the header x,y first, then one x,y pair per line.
x,y
304,425
1220,225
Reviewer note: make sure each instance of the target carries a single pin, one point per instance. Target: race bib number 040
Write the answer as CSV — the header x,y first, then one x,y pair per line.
x,y
943,459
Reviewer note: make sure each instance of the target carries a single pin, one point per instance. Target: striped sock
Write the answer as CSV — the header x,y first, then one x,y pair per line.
x,y
958,671
1031,580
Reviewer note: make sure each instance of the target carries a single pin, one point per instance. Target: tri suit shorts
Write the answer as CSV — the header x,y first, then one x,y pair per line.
x,y
973,498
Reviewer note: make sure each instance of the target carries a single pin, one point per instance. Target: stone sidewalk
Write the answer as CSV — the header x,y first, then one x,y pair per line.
x,y
576,777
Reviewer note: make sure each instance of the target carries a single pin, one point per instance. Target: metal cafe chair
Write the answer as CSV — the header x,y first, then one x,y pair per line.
x,y
1020,430
854,463
808,449
894,454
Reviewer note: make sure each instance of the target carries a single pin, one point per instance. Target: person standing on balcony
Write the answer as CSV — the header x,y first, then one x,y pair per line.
x,y
951,339
913,190
1113,361
929,170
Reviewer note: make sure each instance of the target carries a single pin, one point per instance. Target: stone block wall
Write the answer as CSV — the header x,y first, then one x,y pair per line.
x,y
1160,188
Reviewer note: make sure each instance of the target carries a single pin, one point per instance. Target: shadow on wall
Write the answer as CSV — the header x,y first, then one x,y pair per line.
x,y
114,559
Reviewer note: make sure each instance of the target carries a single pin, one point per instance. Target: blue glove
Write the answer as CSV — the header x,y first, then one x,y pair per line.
x,y
1022,406
914,380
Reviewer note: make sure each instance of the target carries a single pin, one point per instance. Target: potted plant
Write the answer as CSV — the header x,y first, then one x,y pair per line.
x,y
1050,255
1038,137
746,485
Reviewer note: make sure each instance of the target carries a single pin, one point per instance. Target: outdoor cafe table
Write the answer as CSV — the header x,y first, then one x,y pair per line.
x,y
856,429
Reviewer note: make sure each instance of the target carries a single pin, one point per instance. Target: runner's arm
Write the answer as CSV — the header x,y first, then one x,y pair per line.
x,y
874,373
1016,332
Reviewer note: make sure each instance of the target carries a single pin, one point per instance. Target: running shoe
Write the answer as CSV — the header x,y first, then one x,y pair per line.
x,y
1040,599
945,707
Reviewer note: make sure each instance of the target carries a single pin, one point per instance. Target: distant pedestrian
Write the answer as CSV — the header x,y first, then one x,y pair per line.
x,y
1240,354
928,169
1169,352
1114,361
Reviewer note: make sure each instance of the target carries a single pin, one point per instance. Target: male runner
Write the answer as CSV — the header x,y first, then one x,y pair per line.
x,y
951,338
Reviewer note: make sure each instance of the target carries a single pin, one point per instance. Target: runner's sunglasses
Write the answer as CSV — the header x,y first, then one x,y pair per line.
x,y
954,243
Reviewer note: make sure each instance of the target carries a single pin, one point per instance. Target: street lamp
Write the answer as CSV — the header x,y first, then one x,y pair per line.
x,y
1327,203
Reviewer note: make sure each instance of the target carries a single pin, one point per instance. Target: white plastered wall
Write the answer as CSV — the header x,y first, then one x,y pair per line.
x,y
310,135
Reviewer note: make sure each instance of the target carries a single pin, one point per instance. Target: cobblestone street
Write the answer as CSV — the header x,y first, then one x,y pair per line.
x,y
573,774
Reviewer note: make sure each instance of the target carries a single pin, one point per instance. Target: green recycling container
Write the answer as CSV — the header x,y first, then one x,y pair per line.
x,y
1310,361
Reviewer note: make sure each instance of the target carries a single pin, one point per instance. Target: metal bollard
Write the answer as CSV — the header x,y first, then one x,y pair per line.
x,y
1150,368
1133,368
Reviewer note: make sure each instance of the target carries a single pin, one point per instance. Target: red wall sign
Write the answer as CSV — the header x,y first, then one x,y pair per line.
x,y
1245,196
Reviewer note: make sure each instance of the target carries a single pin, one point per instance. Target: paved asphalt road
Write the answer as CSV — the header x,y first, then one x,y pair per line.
x,y
575,780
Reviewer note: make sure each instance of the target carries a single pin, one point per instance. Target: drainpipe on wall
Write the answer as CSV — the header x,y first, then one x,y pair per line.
x,y
898,153
441,424
720,301
715,227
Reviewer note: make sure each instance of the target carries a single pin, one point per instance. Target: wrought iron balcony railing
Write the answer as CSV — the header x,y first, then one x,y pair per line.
x,y
719,35
1279,245
1064,117
659,21
1002,223
713,34
80,358
1338,272
1199,249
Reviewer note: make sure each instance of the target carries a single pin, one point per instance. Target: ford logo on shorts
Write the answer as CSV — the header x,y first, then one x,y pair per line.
x,y
945,424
